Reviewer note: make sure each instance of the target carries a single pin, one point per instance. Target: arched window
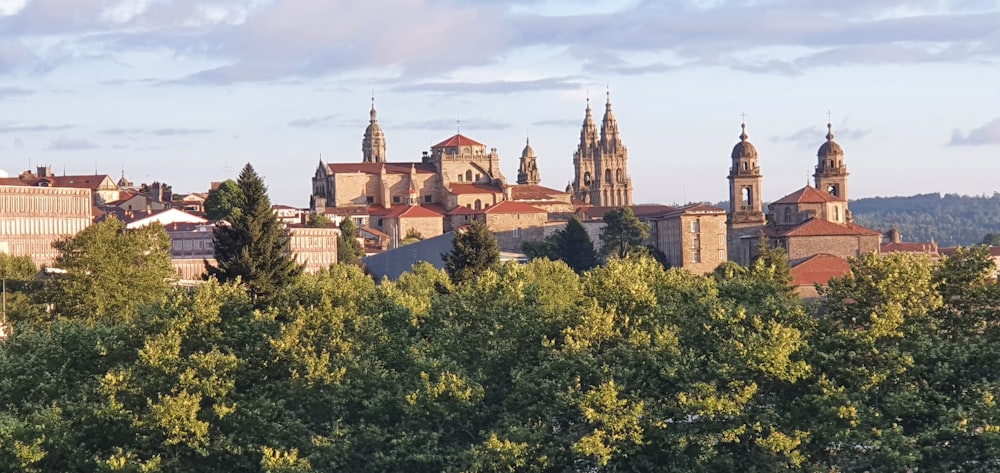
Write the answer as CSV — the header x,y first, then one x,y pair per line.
x,y
788,214
747,197
831,163
468,176
479,204
607,176
586,178
832,189
618,175
746,166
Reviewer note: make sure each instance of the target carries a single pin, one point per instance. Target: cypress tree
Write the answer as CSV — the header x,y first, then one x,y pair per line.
x,y
475,250
252,245
349,251
623,232
573,245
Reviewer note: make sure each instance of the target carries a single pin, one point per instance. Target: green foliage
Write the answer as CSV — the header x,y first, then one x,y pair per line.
x,y
349,250
538,249
318,220
572,245
17,268
252,246
110,271
225,202
991,239
474,251
623,232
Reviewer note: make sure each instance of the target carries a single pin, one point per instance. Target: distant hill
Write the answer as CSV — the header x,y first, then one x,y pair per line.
x,y
949,219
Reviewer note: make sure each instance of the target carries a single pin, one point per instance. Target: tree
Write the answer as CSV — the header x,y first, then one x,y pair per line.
x,y
318,220
111,270
224,201
536,249
991,239
475,250
252,245
412,236
349,251
572,245
19,268
623,232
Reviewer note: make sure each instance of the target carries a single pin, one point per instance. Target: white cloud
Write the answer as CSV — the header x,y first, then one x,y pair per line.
x,y
988,134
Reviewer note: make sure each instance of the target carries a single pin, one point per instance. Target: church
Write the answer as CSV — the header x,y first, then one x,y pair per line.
x,y
810,221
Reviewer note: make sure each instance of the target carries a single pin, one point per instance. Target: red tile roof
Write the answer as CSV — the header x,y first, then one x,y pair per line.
x,y
909,247
511,207
411,211
457,140
820,227
819,269
474,189
806,195
536,193
376,168
461,211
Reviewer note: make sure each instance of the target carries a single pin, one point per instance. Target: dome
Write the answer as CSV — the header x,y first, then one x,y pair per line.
x,y
744,149
528,150
830,147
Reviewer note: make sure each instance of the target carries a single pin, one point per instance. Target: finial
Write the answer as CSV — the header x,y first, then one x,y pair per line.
x,y
373,99
829,131
458,126
607,91
588,99
743,126
527,138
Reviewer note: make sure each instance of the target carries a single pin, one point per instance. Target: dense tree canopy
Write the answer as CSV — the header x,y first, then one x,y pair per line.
x,y
524,367
948,219
349,250
225,201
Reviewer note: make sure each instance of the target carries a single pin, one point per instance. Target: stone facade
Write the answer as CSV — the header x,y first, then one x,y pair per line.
x,y
313,247
32,218
600,163
694,237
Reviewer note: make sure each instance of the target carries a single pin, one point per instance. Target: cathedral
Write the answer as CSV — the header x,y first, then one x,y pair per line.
x,y
600,163
809,221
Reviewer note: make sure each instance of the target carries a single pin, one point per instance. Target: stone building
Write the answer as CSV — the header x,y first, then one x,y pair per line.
x,y
32,217
693,237
807,222
527,173
600,163
102,187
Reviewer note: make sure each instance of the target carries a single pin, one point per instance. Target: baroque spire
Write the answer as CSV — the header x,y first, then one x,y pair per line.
x,y
527,173
373,144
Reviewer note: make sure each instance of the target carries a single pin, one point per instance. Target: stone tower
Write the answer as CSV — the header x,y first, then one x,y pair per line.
x,y
584,158
746,213
528,172
373,144
831,173
612,186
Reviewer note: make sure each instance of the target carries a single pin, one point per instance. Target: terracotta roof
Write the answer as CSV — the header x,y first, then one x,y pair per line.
x,y
536,193
461,211
909,247
697,209
411,211
819,269
375,232
474,189
511,207
806,195
457,140
11,181
283,207
78,182
376,168
820,227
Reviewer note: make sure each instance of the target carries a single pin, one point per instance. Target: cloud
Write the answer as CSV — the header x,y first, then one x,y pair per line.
x,y
7,92
135,132
558,123
428,39
988,134
71,144
10,128
473,124
493,87
815,136
327,121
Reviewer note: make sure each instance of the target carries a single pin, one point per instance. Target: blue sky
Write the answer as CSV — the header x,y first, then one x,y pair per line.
x,y
186,92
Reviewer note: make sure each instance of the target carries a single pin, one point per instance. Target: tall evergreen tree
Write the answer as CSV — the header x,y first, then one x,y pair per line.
x,y
252,245
573,245
623,232
349,251
475,250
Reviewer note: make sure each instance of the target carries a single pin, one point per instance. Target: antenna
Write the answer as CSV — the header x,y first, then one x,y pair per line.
x,y
458,126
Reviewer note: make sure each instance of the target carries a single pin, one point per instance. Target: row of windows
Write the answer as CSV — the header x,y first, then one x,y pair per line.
x,y
468,177
397,199
42,226
696,256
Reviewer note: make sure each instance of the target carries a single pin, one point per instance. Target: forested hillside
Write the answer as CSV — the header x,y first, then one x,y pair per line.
x,y
949,219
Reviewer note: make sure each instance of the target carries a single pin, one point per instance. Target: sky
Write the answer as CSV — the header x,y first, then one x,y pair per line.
x,y
187,92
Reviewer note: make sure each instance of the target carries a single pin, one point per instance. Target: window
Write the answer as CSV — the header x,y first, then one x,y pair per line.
x,y
722,239
460,178
395,199
468,175
369,199
479,204
380,222
696,242
836,214
722,255
478,177
517,233
788,214
696,225
696,257
427,199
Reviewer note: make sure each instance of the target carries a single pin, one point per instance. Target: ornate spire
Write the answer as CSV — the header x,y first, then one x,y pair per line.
x,y
588,134
527,173
610,139
373,144
829,131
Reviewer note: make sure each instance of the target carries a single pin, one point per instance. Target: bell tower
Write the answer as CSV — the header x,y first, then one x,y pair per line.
x,y
528,171
831,173
612,184
584,157
746,213
373,144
